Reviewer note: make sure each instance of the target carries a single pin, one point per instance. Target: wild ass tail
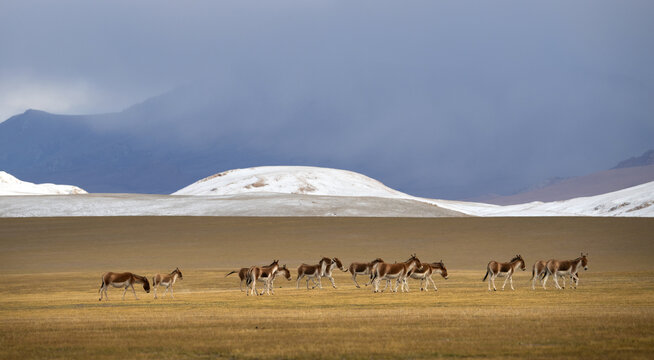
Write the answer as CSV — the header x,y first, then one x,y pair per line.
x,y
485,276
229,273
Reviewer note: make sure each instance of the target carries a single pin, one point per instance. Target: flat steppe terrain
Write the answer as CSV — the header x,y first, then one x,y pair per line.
x,y
52,266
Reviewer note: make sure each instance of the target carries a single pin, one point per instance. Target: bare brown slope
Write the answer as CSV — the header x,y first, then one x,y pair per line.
x,y
589,185
100,244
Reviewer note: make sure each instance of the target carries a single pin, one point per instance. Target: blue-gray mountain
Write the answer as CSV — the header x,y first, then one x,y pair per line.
x,y
172,140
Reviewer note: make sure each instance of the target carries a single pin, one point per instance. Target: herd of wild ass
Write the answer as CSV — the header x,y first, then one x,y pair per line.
x,y
377,270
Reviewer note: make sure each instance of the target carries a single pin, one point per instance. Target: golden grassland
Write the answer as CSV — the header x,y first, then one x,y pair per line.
x,y
51,268
59,316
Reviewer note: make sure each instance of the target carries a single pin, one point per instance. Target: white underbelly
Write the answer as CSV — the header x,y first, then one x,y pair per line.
x,y
120,285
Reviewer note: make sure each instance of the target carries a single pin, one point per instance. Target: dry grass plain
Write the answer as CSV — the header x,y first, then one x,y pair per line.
x,y
52,266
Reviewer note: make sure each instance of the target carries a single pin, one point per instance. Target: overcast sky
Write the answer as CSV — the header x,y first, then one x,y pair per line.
x,y
472,90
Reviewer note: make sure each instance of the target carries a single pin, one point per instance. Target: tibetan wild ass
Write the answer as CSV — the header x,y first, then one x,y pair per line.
x,y
495,269
425,272
166,280
362,269
122,280
313,272
242,274
264,273
271,285
399,272
566,267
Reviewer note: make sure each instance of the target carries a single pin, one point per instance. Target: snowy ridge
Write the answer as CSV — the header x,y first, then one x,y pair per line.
x,y
637,201
634,201
304,180
10,185
297,191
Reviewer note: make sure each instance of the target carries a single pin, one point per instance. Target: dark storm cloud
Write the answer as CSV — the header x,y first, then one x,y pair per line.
x,y
434,98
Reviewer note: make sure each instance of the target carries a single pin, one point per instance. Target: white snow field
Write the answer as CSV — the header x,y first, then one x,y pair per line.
x,y
291,180
311,191
10,185
637,201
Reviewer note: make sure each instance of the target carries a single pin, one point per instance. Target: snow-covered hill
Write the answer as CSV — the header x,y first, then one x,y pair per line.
x,y
10,185
305,180
298,191
635,201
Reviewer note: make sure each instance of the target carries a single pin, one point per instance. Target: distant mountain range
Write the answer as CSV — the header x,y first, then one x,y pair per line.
x,y
172,140
628,173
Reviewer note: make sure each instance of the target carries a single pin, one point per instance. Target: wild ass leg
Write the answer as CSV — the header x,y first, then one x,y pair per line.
x,y
253,287
388,283
240,286
405,284
133,291
154,288
556,282
171,291
547,275
126,287
354,278
511,281
165,291
533,282
102,289
433,283
493,280
505,280
298,281
332,280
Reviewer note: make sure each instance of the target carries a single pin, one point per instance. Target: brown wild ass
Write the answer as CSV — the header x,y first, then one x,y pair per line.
x,y
313,272
495,269
122,280
336,263
264,273
538,272
242,274
362,269
281,271
566,267
166,280
425,272
399,272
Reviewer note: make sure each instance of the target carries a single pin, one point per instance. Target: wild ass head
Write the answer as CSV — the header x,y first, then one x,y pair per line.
x,y
518,258
584,261
439,266
413,262
179,273
338,263
285,272
146,285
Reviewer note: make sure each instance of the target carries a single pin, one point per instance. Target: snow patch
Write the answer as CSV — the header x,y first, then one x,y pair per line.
x,y
10,185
